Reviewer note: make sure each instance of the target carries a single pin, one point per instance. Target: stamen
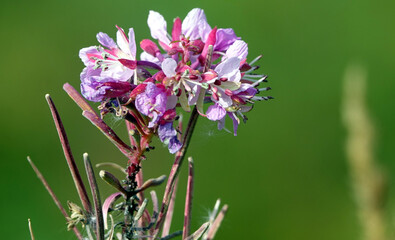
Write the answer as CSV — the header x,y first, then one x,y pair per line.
x,y
264,89
256,59
259,81
254,75
252,69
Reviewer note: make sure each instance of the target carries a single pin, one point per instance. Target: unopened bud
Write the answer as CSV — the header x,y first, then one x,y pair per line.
x,y
193,77
151,183
112,180
149,47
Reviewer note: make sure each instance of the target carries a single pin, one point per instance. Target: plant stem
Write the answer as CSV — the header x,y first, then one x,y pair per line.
x,y
176,169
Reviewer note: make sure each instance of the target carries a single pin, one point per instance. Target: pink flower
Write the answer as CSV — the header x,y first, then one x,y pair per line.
x,y
118,61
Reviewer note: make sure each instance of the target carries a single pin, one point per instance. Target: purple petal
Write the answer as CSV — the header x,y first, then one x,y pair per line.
x,y
225,38
193,22
174,145
236,122
154,119
161,102
158,27
238,49
105,40
215,112
221,123
142,104
171,102
166,131
169,66
96,88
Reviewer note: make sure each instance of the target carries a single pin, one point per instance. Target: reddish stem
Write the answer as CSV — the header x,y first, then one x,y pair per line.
x,y
69,156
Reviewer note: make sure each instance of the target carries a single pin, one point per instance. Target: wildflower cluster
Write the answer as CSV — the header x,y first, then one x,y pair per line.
x,y
195,64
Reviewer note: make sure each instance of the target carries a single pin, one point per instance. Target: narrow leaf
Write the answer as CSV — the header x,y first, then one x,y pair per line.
x,y
107,204
69,156
217,223
170,210
113,181
96,197
196,235
109,133
188,201
30,229
152,182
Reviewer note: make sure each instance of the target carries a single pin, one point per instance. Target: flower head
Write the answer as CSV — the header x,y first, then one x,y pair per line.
x,y
192,65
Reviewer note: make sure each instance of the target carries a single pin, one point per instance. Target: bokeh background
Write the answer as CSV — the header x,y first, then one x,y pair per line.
x,y
284,177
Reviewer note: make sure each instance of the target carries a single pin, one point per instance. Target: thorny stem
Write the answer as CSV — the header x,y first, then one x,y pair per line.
x,y
69,156
54,197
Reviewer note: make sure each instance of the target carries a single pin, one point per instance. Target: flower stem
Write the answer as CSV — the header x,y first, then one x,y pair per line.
x,y
176,169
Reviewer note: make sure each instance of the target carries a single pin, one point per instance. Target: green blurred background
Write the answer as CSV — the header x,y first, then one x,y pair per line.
x,y
284,177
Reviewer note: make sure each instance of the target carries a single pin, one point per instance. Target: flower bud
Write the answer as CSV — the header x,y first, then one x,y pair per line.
x,y
149,47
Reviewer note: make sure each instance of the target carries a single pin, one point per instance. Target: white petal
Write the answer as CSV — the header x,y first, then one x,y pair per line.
x,y
225,101
238,49
228,68
132,43
148,57
158,26
193,22
169,66
123,42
